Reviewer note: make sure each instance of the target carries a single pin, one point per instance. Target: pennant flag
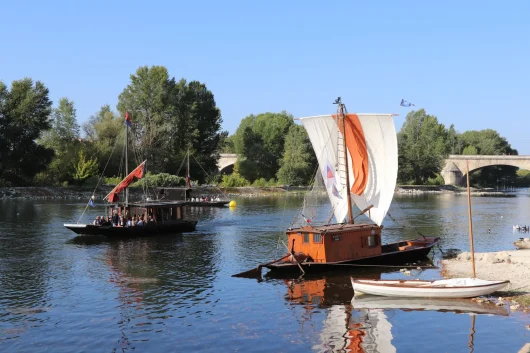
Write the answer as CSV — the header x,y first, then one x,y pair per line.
x,y
306,219
336,192
91,203
127,119
404,103
188,180
329,173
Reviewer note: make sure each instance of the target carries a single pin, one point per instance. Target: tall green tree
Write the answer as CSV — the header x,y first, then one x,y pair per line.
x,y
259,141
422,147
24,114
105,141
299,161
171,117
63,139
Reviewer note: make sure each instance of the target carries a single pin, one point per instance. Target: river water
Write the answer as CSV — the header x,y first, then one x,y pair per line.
x,y
62,293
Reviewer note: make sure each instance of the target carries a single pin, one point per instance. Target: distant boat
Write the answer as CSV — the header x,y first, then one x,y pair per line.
x,y
186,193
447,288
158,216
522,243
358,161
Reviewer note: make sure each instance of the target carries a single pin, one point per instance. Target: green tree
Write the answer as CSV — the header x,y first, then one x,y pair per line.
x,y
422,147
105,141
170,118
63,138
24,114
259,141
83,167
299,161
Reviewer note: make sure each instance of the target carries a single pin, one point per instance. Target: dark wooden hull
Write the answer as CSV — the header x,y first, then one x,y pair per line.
x,y
390,257
207,203
174,227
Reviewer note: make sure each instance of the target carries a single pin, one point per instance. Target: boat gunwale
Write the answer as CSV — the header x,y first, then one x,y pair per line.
x,y
426,246
363,281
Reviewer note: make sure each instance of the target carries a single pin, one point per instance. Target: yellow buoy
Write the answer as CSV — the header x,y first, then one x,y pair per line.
x,y
232,203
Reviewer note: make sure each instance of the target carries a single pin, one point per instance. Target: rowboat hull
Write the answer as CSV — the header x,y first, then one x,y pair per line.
x,y
179,226
207,203
427,289
397,257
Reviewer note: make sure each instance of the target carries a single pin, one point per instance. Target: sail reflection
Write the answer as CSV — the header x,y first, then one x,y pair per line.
x,y
364,323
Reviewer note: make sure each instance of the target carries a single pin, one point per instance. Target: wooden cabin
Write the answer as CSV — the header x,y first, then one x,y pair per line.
x,y
174,193
338,242
161,211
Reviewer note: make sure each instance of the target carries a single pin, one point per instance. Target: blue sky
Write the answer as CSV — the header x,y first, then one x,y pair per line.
x,y
468,63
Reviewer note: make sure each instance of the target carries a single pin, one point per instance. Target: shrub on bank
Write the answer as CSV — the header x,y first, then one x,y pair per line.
x,y
234,180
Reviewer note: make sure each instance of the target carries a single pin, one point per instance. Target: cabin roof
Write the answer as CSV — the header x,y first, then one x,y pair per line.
x,y
158,204
334,228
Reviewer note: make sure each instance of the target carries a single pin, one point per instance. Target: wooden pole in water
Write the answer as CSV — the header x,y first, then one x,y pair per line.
x,y
470,221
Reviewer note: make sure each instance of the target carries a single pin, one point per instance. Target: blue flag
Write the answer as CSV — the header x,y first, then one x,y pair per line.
x,y
404,103
91,203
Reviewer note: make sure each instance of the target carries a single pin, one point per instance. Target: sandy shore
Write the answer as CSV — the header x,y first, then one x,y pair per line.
x,y
513,265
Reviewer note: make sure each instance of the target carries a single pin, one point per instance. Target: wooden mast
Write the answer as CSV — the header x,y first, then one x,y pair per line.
x,y
470,221
126,163
344,146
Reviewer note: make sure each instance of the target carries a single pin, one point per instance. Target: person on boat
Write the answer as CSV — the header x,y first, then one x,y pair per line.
x,y
129,222
141,222
96,221
121,221
151,220
115,218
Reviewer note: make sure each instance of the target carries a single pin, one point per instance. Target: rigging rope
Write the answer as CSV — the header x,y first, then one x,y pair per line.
x,y
99,181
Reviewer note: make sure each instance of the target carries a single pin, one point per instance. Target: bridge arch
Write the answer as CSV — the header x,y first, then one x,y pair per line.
x,y
455,169
226,163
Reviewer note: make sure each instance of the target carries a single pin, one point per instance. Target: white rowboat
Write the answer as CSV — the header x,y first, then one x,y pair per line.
x,y
447,288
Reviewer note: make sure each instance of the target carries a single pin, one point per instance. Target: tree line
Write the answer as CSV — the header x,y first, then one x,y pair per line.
x,y
45,145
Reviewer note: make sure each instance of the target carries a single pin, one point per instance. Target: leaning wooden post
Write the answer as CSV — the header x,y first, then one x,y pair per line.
x,y
470,222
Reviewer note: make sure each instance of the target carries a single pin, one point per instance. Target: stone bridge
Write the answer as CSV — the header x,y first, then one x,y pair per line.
x,y
226,163
455,169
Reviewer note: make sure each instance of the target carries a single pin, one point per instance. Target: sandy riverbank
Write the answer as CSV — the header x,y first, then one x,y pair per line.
x,y
512,265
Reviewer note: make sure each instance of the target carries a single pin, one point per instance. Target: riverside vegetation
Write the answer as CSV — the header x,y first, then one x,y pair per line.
x,y
43,145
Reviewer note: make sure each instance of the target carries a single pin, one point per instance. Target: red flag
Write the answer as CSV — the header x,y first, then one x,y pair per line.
x,y
127,119
188,180
138,173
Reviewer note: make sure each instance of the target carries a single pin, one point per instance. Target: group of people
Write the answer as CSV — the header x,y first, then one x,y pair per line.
x,y
205,199
120,221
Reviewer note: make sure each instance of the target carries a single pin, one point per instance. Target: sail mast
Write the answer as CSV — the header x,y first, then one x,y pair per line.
x,y
470,222
126,163
188,169
348,196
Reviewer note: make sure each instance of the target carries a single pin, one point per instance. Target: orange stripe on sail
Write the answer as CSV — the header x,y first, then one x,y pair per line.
x,y
356,144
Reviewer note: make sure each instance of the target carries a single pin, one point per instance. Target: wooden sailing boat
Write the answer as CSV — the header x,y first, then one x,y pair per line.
x,y
158,216
358,160
447,288
186,193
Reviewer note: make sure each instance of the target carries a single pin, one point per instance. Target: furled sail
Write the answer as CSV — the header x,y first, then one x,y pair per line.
x,y
138,173
372,154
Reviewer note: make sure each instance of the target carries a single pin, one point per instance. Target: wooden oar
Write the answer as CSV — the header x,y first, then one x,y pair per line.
x,y
256,272
294,257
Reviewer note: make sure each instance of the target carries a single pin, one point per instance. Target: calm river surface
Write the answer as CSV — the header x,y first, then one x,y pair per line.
x,y
59,293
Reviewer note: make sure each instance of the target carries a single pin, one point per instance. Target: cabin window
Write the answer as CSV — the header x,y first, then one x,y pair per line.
x,y
369,241
336,237
317,238
306,237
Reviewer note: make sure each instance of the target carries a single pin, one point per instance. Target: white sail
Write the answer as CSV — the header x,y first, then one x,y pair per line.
x,y
372,170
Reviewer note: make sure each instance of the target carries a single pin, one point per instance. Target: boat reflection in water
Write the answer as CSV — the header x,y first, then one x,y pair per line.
x,y
362,324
